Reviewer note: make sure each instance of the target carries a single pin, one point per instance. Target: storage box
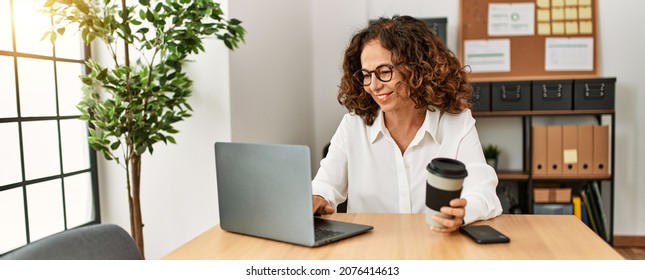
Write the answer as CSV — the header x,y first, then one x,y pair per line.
x,y
439,26
562,195
480,98
550,208
594,93
552,95
552,195
511,96
541,195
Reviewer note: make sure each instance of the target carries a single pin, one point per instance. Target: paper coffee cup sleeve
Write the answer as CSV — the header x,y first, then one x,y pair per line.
x,y
436,198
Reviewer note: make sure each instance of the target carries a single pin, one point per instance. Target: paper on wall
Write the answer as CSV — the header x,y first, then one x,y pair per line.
x,y
569,54
488,55
586,27
511,19
542,3
544,28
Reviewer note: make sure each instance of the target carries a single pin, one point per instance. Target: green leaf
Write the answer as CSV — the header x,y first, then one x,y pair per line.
x,y
52,37
101,76
61,31
141,149
45,35
158,7
49,3
82,6
150,16
107,155
172,130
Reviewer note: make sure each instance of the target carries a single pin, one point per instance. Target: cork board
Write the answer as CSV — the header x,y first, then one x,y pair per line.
x,y
555,23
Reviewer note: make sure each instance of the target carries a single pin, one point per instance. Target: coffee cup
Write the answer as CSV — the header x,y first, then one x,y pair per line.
x,y
444,183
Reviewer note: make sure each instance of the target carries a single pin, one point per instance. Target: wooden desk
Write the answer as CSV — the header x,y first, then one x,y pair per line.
x,y
408,237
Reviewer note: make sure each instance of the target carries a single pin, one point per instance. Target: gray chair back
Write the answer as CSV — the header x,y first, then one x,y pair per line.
x,y
341,208
92,242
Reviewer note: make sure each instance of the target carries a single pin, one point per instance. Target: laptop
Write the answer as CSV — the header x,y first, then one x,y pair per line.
x,y
264,190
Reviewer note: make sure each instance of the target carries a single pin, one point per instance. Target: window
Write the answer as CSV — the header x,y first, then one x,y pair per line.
x,y
48,178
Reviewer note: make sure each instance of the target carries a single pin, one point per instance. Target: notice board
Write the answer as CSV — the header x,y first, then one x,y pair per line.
x,y
529,39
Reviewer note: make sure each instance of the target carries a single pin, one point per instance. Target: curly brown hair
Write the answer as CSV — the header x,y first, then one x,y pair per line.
x,y
431,72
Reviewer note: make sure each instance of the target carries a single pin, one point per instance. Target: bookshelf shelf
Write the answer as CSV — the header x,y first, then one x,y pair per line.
x,y
522,175
574,177
512,175
542,113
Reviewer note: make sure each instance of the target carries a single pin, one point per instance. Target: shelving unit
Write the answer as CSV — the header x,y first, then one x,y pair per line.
x,y
525,178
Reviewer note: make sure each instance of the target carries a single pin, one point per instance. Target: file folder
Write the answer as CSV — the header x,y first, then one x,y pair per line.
x,y
569,150
539,150
554,150
601,150
585,149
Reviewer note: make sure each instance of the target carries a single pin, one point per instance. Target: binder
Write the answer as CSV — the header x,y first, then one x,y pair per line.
x,y
554,150
539,150
577,204
602,218
594,207
587,204
583,212
601,150
585,149
569,150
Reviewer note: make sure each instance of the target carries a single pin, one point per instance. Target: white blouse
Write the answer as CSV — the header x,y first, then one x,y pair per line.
x,y
365,164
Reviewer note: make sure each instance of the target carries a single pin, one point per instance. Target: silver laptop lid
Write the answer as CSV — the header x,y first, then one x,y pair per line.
x,y
265,190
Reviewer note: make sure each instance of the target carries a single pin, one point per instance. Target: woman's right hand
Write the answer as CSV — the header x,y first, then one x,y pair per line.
x,y
322,206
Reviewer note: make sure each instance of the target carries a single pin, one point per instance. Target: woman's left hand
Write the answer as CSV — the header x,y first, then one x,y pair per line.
x,y
457,209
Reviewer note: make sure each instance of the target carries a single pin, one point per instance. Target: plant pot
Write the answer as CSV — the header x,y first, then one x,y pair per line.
x,y
492,162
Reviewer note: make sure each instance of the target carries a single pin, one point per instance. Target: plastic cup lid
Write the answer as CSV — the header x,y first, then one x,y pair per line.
x,y
447,168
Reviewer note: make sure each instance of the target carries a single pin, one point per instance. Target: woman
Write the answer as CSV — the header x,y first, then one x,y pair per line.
x,y
408,100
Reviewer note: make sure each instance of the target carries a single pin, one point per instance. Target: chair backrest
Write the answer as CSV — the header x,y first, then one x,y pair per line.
x,y
92,242
341,208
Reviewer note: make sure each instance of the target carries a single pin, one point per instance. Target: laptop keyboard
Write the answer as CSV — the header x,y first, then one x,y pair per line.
x,y
322,233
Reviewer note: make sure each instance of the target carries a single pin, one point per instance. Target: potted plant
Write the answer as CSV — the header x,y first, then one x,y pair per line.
x,y
491,153
133,105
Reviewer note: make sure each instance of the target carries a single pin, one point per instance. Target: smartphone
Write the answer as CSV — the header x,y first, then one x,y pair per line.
x,y
484,234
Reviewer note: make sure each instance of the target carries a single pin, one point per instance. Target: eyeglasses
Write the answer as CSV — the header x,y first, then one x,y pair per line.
x,y
383,73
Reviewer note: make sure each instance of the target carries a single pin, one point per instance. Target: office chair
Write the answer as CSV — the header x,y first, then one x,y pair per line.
x,y
92,242
341,208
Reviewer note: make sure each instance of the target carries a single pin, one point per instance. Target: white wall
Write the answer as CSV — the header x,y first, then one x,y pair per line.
x,y
283,85
621,55
332,27
271,75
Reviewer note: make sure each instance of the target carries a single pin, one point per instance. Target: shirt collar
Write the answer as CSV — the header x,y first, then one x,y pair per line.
x,y
430,125
378,127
